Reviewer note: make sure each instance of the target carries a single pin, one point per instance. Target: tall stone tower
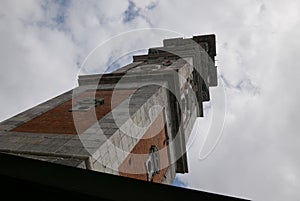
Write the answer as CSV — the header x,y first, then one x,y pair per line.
x,y
133,122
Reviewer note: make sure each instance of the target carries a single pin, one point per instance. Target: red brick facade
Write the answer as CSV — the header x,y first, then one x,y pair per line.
x,y
135,161
59,120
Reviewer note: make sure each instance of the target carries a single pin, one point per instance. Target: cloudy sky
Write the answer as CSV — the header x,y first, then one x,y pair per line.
x,y
44,44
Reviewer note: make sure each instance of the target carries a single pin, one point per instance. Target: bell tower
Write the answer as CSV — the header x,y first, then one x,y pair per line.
x,y
132,122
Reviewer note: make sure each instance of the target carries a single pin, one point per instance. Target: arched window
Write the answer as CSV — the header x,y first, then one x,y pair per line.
x,y
153,162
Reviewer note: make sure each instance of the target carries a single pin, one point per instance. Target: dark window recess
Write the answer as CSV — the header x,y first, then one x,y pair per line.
x,y
153,162
86,104
205,46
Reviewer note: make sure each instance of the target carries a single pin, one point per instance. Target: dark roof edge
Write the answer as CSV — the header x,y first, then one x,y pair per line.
x,y
33,177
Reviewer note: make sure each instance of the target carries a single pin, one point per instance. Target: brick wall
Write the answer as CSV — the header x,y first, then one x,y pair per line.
x,y
60,120
134,164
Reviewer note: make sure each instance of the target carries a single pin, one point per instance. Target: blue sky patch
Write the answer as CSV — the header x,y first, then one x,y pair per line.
x,y
177,182
131,13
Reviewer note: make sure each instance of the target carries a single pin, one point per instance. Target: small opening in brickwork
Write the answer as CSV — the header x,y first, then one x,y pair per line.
x,y
86,104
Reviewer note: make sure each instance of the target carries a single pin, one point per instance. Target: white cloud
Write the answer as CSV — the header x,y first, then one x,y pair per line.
x,y
37,62
45,42
257,48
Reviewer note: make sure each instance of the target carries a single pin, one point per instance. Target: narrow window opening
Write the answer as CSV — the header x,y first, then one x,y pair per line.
x,y
85,105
